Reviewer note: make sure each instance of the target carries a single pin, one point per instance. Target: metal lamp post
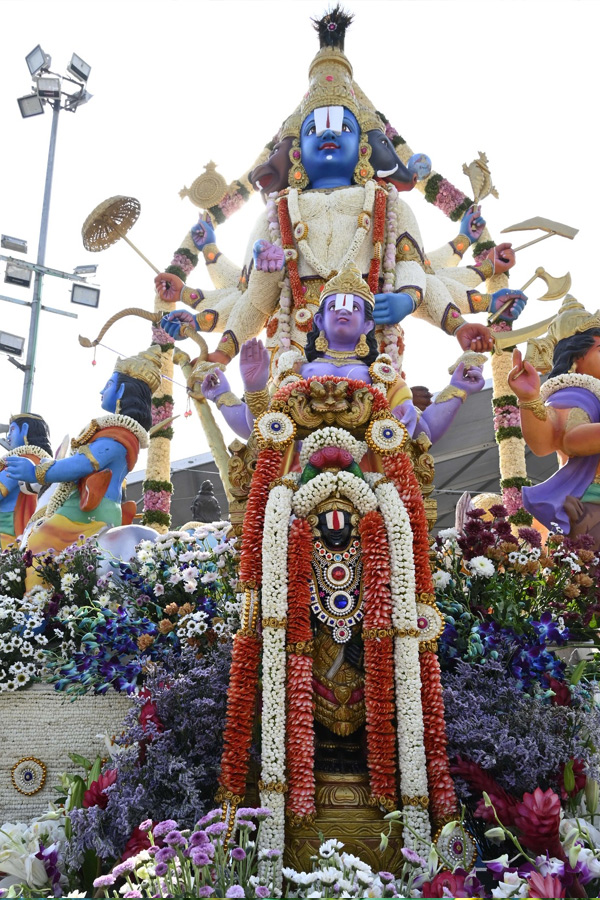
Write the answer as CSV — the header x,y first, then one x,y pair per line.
x,y
48,89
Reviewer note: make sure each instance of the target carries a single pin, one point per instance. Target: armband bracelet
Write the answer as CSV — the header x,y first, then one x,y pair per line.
x,y
41,470
210,253
485,269
460,243
227,398
448,393
4,491
85,451
537,407
257,401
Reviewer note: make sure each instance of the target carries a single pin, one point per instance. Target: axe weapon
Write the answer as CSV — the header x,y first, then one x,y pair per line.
x,y
540,223
557,288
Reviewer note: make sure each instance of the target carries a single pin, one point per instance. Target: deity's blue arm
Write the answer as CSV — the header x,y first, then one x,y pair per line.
x,y
104,454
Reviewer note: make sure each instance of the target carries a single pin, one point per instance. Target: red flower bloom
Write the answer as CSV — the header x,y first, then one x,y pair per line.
x,y
95,796
138,841
538,818
562,694
504,803
545,886
453,883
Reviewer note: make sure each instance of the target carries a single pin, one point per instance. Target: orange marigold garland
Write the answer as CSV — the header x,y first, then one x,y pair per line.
x,y
300,743
378,236
241,707
291,254
379,660
268,467
441,787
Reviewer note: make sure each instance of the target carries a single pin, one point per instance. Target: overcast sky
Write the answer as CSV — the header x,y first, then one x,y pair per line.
x,y
176,84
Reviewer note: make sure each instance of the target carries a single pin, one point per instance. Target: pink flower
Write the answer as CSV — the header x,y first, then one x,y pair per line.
x,y
159,500
95,796
538,818
446,884
448,197
544,886
183,262
160,413
511,497
230,204
160,336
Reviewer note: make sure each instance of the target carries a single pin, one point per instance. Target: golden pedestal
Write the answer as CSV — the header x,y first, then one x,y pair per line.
x,y
344,813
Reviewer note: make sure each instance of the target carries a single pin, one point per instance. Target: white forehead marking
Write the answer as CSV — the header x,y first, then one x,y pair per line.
x,y
343,301
329,117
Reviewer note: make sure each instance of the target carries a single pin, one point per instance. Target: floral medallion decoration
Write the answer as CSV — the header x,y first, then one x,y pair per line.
x,y
430,622
386,436
275,429
28,775
455,845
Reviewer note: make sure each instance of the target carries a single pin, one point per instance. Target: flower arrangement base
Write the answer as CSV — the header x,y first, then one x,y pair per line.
x,y
344,813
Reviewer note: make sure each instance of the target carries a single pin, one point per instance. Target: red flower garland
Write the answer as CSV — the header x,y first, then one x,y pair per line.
x,y
300,742
268,467
378,236
442,795
379,660
241,708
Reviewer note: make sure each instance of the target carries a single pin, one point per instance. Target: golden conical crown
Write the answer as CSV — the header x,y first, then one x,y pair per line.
x,y
146,366
349,281
573,318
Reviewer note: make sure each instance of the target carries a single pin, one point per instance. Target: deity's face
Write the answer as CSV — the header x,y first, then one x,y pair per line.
x,y
329,139
111,393
589,364
343,321
17,434
335,527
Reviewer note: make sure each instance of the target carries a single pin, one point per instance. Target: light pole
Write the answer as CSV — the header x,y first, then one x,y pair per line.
x,y
47,89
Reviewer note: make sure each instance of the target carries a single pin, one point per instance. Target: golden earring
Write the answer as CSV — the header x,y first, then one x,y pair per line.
x,y
573,368
363,171
118,408
297,176
321,343
362,348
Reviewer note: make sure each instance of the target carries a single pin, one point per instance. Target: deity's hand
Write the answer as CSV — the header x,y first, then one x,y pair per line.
x,y
268,257
392,308
475,337
215,384
19,468
254,365
218,357
502,256
472,224
175,322
512,313
203,233
523,378
168,287
471,381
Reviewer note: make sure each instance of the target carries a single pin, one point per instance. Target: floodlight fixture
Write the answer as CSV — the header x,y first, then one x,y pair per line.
x,y
11,343
13,243
31,105
16,274
48,86
85,295
38,61
79,68
85,270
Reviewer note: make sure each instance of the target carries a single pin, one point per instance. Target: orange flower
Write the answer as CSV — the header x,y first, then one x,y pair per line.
x,y
442,796
144,641
171,609
300,741
164,626
267,470
241,703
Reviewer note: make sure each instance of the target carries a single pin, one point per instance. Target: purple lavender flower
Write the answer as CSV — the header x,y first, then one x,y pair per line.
x,y
246,823
213,816
104,881
216,828
160,869
238,854
123,868
261,891
198,839
206,891
165,854
199,857
146,825
236,890
164,828
175,838
412,857
133,893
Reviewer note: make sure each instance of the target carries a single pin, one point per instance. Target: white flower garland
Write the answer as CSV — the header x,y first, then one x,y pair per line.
x,y
407,672
274,605
325,485
116,420
332,437
570,380
272,837
355,245
390,332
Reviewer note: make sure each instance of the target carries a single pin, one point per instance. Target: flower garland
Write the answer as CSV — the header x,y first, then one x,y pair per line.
x,y
570,380
285,298
390,332
379,661
267,470
441,786
410,726
300,744
326,484
381,197
331,437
